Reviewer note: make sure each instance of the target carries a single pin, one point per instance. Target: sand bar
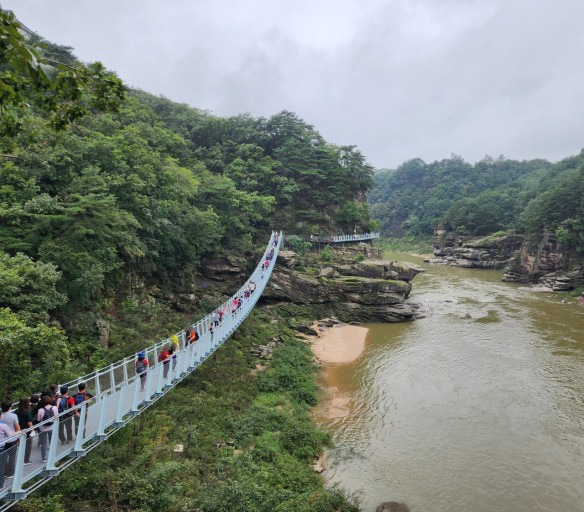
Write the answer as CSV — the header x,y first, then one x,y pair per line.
x,y
342,344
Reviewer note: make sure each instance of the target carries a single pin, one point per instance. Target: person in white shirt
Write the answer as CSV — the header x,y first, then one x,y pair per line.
x,y
11,420
46,410
5,433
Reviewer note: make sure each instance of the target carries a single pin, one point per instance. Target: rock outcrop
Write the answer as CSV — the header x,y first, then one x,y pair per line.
x,y
365,291
392,506
220,269
472,252
539,255
564,280
526,259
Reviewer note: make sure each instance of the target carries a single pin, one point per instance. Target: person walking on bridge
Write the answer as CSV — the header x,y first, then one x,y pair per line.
x,y
164,358
5,433
141,369
24,413
64,403
78,398
10,419
47,411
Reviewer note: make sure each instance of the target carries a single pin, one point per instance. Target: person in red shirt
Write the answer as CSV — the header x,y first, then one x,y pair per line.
x,y
164,358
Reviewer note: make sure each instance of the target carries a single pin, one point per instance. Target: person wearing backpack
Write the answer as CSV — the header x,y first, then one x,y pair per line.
x,y
24,413
141,369
64,403
164,358
10,419
192,335
5,433
46,412
78,398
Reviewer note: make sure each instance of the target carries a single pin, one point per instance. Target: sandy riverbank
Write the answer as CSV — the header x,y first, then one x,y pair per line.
x,y
340,344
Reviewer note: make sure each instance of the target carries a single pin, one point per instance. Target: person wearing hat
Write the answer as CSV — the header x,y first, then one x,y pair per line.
x,y
141,369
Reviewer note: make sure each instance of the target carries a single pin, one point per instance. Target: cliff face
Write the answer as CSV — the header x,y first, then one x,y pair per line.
x,y
484,252
526,259
373,290
537,257
543,260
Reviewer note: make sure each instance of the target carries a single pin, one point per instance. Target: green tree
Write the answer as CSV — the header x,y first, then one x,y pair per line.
x,y
68,91
28,287
31,355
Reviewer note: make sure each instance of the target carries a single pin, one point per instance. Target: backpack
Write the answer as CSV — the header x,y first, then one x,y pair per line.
x,y
49,413
141,366
192,335
80,397
63,406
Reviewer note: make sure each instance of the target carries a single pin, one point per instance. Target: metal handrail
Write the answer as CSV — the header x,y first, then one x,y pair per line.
x,y
124,395
338,238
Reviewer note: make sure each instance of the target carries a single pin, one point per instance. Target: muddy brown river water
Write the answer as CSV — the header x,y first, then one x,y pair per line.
x,y
458,414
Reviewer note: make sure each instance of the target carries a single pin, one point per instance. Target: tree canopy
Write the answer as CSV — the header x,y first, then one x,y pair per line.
x,y
486,197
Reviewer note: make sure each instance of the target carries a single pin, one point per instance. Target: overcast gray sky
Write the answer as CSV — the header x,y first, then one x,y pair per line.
x,y
398,78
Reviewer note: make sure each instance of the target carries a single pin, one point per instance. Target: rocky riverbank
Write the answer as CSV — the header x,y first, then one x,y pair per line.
x,y
475,252
526,259
352,290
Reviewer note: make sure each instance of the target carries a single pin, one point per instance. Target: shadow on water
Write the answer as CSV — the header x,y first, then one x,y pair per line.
x,y
478,407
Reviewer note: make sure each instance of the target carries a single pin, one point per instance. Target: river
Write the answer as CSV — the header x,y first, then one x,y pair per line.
x,y
479,407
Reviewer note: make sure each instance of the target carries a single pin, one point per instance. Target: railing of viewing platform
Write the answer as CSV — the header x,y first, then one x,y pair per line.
x,y
333,239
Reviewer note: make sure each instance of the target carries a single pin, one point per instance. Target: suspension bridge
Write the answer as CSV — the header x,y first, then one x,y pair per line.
x,y
119,392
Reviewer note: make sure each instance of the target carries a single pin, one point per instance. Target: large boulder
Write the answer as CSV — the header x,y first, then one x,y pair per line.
x,y
392,506
539,256
220,269
381,269
287,258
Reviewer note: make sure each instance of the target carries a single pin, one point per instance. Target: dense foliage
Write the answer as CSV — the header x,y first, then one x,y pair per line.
x,y
248,439
46,76
486,197
144,193
110,202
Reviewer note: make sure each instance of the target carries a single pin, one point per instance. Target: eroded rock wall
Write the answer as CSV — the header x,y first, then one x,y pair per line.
x,y
472,252
364,291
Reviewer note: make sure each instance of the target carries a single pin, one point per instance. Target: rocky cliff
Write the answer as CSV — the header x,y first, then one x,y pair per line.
x,y
526,259
472,252
543,260
537,257
370,290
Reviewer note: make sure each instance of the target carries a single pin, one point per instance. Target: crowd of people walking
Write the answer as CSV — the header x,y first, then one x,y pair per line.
x,y
33,414
37,410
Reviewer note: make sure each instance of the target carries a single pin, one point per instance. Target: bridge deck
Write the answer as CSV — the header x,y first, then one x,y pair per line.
x,y
118,393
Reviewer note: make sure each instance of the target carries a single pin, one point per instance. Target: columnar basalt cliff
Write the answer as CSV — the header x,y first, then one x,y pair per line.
x,y
370,290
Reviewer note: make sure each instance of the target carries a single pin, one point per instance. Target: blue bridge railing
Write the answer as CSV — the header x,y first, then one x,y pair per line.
x,y
120,394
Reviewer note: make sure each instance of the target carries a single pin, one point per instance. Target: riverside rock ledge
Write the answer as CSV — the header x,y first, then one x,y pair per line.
x,y
367,291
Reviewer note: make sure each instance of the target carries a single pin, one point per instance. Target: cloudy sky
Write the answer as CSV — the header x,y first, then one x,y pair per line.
x,y
398,78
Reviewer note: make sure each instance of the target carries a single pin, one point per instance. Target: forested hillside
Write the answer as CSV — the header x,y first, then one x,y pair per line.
x,y
94,200
486,197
